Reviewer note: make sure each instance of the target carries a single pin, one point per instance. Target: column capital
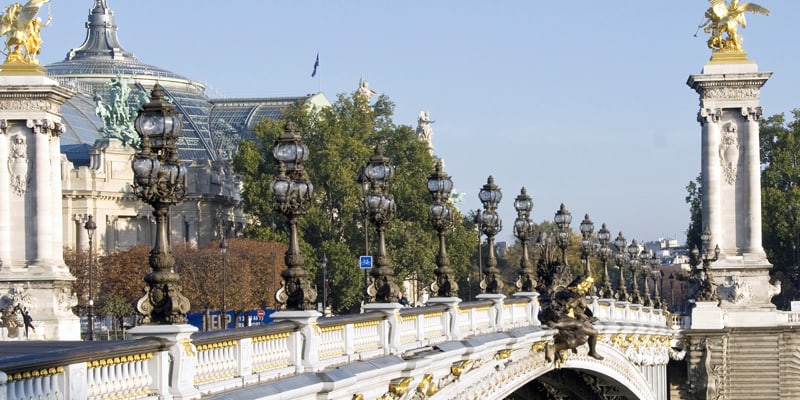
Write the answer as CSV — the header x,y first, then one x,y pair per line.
x,y
709,115
753,114
46,126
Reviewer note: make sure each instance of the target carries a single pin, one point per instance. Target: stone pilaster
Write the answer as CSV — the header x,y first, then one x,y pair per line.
x,y
34,274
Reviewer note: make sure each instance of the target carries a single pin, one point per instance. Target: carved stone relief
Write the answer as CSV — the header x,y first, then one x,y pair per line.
x,y
729,153
18,165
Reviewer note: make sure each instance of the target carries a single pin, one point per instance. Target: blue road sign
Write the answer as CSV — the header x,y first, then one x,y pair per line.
x,y
365,262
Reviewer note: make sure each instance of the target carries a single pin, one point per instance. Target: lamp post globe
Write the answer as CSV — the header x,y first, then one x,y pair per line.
x,y
490,195
292,192
160,181
90,227
523,230
381,207
440,186
564,237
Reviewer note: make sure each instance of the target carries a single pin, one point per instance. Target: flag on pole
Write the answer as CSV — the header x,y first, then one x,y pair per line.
x,y
316,64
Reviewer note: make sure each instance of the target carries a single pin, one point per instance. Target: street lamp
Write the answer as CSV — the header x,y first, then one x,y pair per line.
x,y
562,219
523,229
707,290
605,253
644,258
587,246
223,249
655,261
671,291
160,181
379,173
490,195
633,263
440,186
90,227
364,182
621,259
292,192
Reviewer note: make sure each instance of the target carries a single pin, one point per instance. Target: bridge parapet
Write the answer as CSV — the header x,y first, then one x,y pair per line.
x,y
241,357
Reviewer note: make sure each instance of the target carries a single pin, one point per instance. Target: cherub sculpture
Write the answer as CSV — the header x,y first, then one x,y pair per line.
x,y
723,20
568,311
21,28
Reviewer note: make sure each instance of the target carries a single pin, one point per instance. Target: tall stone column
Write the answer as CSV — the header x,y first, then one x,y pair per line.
x,y
729,93
31,235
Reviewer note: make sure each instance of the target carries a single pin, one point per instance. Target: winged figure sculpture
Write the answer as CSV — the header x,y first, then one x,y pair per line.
x,y
20,26
723,20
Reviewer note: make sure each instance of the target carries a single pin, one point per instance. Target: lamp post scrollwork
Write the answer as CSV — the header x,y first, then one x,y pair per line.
x,y
292,192
379,173
490,195
523,230
440,186
160,181
707,290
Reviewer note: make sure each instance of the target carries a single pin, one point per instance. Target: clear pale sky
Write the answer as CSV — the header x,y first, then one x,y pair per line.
x,y
581,102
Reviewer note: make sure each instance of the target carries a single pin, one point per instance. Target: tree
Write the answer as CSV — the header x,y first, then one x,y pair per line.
x,y
694,198
780,191
341,138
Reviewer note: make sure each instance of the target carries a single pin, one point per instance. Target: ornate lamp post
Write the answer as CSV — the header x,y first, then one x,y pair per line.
x,y
292,192
633,263
562,219
656,276
379,172
440,185
523,230
605,253
90,227
707,290
621,259
223,249
644,258
364,182
160,181
587,246
490,195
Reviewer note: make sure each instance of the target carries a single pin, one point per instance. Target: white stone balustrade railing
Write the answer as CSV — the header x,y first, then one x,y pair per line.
x,y
235,358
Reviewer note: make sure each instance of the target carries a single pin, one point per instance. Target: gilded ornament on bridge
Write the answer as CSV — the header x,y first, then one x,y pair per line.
x,y
722,23
20,26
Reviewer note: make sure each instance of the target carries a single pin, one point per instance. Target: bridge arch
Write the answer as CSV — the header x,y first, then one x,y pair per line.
x,y
500,379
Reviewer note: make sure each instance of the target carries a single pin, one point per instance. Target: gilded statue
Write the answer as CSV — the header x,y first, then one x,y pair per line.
x,y
20,26
723,20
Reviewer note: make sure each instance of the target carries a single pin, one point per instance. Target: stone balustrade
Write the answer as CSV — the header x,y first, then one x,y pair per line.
x,y
229,359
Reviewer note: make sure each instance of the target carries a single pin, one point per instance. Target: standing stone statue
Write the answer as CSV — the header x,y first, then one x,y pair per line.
x,y
364,90
424,127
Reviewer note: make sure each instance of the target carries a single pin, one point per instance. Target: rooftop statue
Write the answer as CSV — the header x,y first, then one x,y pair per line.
x,y
723,20
118,115
21,27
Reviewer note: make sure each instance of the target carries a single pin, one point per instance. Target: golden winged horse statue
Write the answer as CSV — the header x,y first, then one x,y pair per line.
x,y
723,20
21,27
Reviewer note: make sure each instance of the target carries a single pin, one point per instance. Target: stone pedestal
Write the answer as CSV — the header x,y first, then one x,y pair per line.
x,y
304,347
707,315
533,307
391,339
178,366
451,321
497,307
33,273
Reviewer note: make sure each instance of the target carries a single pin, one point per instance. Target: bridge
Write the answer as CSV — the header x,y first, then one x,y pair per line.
x,y
484,349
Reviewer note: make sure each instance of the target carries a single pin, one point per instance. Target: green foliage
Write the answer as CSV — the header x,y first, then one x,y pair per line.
x,y
780,182
341,139
694,198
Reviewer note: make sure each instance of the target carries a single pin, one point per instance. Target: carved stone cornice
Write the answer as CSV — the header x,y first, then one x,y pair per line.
x,y
728,86
36,98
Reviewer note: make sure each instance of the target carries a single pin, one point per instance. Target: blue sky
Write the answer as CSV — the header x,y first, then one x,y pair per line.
x,y
581,102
